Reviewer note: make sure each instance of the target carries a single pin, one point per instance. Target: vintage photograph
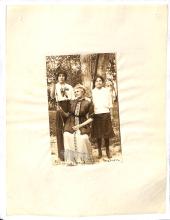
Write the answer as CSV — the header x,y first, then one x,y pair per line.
x,y
83,109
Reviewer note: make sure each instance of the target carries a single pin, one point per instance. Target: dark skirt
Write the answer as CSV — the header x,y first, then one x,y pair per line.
x,y
102,126
60,121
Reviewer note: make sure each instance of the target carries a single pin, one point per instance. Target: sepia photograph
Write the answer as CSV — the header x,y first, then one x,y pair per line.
x,y
83,109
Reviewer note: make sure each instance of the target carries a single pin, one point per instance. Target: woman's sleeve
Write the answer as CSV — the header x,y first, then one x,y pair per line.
x,y
91,110
68,113
69,106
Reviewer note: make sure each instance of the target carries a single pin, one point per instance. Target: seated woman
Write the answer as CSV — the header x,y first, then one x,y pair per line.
x,y
77,128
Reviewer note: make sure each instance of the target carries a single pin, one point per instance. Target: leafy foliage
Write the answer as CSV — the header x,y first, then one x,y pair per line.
x,y
71,64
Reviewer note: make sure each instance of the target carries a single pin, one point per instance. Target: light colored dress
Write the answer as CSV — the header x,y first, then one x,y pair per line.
x,y
76,143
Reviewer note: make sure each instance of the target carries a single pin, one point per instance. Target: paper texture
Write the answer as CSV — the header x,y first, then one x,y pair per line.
x,y
138,35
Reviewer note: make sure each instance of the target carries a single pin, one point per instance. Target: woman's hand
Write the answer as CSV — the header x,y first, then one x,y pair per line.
x,y
58,108
76,127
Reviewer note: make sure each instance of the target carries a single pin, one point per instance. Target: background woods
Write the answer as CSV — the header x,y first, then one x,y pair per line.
x,y
83,69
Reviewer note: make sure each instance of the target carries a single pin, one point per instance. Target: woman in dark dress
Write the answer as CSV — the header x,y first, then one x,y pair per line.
x,y
77,128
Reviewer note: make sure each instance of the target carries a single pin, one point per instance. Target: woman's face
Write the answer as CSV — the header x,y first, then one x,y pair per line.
x,y
61,78
79,93
98,83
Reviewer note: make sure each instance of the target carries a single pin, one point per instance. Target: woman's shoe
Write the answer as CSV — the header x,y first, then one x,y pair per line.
x,y
108,153
70,163
100,153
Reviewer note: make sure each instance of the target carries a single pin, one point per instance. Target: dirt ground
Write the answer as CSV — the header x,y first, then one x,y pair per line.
x,y
114,150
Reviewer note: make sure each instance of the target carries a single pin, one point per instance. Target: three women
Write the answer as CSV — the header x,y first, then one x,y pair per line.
x,y
79,117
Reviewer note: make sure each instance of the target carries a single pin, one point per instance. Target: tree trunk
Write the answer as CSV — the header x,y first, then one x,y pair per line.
x,y
103,63
92,65
86,73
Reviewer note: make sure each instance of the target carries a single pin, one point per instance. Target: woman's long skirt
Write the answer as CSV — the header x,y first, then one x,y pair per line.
x,y
102,126
60,121
77,148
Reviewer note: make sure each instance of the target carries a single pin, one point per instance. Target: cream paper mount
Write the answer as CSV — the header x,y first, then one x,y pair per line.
x,y
138,35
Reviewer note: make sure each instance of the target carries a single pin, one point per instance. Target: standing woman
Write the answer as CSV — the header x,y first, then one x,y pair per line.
x,y
63,93
102,125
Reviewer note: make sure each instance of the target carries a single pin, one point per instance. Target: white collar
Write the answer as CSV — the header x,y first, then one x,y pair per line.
x,y
61,85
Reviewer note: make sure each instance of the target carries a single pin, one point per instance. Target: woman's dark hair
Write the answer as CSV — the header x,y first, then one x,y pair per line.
x,y
96,77
60,71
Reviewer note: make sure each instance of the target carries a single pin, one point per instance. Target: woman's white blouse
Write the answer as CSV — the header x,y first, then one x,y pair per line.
x,y
64,92
102,100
